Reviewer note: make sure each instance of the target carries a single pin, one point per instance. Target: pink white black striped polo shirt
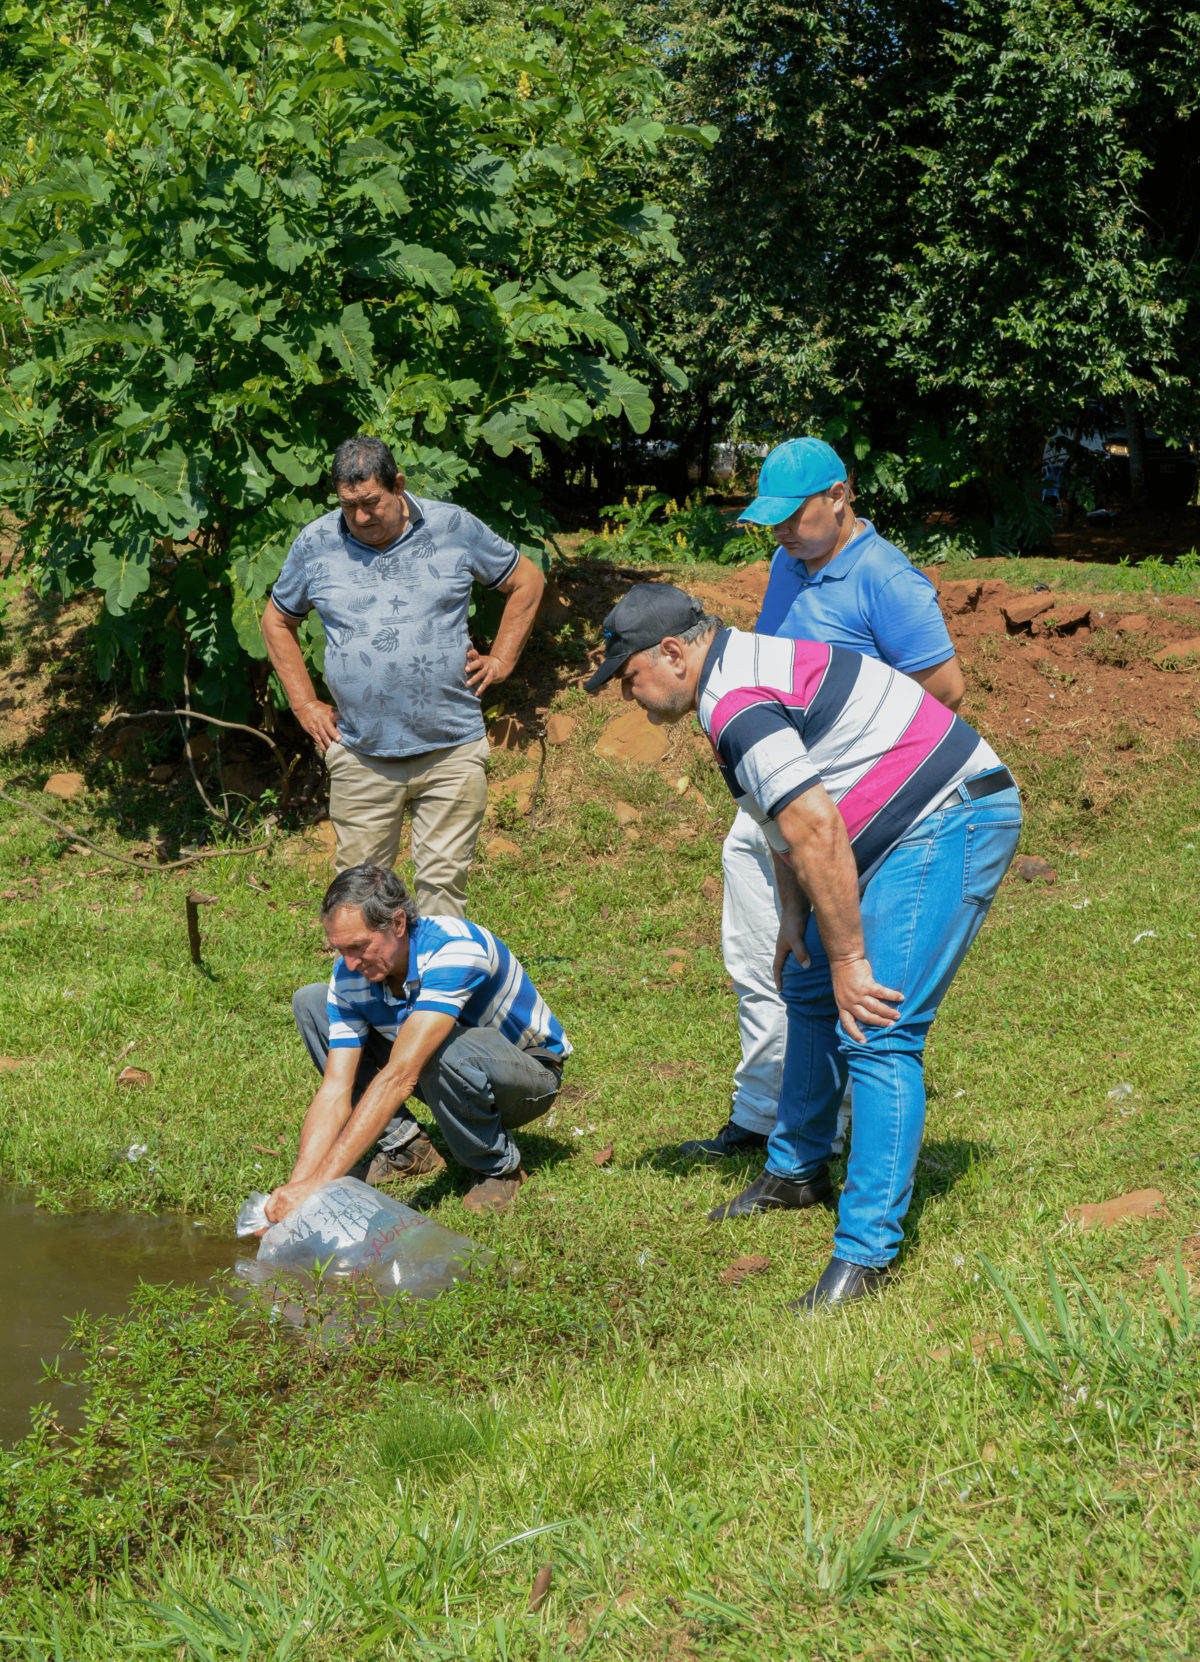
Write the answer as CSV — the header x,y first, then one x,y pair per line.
x,y
785,715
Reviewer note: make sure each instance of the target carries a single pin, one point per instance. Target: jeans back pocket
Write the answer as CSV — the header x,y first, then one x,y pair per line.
x,y
991,844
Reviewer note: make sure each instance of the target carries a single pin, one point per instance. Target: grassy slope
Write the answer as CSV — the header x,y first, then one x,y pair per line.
x,y
661,1428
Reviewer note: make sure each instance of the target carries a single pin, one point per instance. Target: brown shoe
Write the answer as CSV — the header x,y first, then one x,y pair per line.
x,y
417,1158
494,1194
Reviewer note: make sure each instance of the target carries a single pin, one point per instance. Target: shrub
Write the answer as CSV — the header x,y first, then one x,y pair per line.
x,y
232,239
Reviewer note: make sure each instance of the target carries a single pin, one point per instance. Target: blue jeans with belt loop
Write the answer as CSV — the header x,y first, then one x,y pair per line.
x,y
921,910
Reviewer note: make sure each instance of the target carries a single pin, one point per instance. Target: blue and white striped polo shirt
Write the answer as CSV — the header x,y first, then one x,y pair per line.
x,y
457,969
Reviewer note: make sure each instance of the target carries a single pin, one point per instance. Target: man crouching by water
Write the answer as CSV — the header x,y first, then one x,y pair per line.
x,y
435,1008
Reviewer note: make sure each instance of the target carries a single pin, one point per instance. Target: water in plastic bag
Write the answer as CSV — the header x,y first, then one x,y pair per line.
x,y
352,1230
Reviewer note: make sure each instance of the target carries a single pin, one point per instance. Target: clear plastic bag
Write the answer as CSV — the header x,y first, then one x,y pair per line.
x,y
351,1230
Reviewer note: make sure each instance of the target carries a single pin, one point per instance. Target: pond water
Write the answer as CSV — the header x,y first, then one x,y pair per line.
x,y
56,1266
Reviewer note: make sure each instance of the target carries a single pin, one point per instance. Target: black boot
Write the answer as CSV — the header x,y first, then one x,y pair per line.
x,y
731,1139
841,1283
770,1194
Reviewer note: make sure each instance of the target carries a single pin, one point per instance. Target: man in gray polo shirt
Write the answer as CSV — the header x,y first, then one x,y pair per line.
x,y
390,574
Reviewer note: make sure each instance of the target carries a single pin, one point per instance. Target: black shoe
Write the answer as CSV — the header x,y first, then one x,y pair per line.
x,y
730,1139
769,1194
841,1283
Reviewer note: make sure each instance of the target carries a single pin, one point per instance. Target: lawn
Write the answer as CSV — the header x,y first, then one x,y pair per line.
x,y
997,1460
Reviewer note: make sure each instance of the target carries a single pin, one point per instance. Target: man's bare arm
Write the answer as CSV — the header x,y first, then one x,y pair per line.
x,y
819,853
418,1038
523,587
281,634
944,681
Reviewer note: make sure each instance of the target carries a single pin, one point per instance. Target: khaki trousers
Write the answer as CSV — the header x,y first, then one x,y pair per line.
x,y
447,794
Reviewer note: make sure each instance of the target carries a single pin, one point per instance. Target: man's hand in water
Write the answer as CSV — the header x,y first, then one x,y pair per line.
x,y
288,1196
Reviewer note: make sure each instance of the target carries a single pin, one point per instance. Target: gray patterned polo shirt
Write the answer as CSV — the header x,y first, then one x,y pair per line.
x,y
396,623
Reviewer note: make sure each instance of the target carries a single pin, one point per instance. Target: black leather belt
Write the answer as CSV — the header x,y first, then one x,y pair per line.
x,y
983,784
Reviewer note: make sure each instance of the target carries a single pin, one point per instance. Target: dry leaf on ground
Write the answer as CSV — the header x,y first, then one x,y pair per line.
x,y
603,1155
135,1079
541,1588
752,1264
1140,1203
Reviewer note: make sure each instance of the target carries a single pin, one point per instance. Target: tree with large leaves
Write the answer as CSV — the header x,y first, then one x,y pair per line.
x,y
230,240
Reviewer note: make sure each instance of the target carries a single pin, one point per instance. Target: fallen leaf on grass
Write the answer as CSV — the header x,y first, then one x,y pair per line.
x,y
259,1149
1032,866
541,1588
1139,1203
135,1079
603,1155
752,1264
258,883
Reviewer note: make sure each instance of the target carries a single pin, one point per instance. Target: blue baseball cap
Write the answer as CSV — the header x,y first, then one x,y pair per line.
x,y
794,470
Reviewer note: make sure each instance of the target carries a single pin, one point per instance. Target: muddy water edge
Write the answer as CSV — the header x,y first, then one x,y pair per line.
x,y
60,1265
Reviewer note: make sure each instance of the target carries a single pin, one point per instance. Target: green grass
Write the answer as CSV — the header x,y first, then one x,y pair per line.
x,y
997,1460
1149,576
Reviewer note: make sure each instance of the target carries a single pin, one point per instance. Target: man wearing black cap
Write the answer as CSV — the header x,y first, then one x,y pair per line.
x,y
891,823
833,578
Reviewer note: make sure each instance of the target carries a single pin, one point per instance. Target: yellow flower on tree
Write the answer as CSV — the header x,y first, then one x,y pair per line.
x,y
339,48
524,86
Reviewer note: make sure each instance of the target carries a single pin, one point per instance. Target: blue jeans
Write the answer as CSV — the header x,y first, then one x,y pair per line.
x,y
921,910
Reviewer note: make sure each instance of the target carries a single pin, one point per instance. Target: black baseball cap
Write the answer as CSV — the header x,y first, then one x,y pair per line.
x,y
642,618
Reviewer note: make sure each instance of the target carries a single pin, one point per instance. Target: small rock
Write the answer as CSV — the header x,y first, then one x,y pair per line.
x,y
65,786
519,786
162,773
957,598
326,835
1019,614
507,733
499,846
752,1264
712,889
1065,620
627,814
632,738
682,785
1135,624
1141,1203
1032,866
559,728
1179,649
136,1079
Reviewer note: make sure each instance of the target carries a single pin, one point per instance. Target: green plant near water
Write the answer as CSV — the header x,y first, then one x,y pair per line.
x,y
641,1427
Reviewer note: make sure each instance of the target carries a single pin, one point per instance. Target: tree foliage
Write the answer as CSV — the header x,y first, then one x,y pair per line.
x,y
936,229
230,240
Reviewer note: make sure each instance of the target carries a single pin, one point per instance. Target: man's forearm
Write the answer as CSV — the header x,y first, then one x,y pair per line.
x,y
388,1091
516,621
287,660
824,866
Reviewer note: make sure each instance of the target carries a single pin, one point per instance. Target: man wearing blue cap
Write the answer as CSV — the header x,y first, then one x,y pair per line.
x,y
833,579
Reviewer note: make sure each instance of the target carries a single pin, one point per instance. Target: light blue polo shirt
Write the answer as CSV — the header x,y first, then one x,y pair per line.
x,y
396,623
870,598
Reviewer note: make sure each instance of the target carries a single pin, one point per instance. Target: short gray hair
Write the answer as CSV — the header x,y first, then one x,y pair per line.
x,y
376,892
704,626
359,460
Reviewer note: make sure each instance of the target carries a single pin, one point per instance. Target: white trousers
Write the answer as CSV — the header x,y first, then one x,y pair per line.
x,y
749,930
